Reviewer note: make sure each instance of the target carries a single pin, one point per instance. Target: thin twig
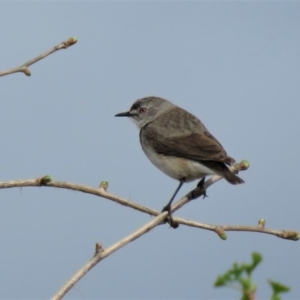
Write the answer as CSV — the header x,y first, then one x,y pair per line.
x,y
103,254
221,229
24,68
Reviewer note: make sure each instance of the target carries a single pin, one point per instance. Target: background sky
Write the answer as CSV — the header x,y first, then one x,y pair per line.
x,y
233,64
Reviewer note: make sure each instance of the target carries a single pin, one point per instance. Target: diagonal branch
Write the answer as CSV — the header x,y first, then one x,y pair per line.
x,y
24,68
159,218
99,255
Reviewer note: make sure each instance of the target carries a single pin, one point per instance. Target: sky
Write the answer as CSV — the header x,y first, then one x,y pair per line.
x,y
235,65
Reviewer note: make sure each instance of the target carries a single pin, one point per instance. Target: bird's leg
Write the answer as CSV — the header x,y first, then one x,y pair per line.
x,y
201,186
199,189
168,206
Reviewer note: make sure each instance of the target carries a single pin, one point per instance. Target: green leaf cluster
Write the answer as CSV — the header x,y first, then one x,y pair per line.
x,y
239,277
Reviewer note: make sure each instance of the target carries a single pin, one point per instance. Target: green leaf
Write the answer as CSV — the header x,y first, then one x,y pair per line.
x,y
278,287
220,281
237,270
256,258
240,276
247,268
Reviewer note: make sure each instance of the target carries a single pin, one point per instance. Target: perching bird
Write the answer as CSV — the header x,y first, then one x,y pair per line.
x,y
178,143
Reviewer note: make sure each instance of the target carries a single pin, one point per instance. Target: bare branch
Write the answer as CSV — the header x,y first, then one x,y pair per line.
x,y
197,192
24,68
221,229
159,218
99,255
78,187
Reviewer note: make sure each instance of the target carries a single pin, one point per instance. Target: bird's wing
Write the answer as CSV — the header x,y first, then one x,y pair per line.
x,y
190,145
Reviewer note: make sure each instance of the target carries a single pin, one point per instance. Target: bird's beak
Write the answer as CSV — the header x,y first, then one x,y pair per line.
x,y
124,114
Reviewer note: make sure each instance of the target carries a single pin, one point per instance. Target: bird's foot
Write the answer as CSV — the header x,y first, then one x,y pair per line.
x,y
199,190
201,186
169,218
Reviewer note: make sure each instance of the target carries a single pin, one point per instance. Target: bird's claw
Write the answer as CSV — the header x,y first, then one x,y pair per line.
x,y
169,218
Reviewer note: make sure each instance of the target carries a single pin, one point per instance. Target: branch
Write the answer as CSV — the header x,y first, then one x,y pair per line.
x,y
197,192
159,219
24,68
101,254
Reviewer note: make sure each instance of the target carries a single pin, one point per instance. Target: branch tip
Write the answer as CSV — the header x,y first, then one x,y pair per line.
x,y
24,67
103,185
26,72
290,235
261,223
69,42
221,233
98,249
244,165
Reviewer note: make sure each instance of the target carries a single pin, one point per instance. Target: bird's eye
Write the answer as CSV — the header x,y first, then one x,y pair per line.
x,y
142,110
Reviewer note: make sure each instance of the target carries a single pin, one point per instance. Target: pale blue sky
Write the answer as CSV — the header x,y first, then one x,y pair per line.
x,y
235,65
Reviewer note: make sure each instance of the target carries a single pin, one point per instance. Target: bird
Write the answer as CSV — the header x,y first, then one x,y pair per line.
x,y
178,143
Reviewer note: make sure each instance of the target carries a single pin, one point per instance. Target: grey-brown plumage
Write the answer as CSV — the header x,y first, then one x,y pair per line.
x,y
190,140
178,143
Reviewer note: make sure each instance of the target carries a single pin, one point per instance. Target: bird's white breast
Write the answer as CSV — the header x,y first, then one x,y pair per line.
x,y
177,167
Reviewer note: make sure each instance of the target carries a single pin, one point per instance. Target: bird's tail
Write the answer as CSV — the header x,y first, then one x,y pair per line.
x,y
221,169
232,178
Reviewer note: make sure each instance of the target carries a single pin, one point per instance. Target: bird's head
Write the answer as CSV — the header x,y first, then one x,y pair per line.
x,y
145,110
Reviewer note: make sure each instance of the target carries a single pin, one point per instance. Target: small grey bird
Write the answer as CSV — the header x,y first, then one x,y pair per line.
x,y
178,144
